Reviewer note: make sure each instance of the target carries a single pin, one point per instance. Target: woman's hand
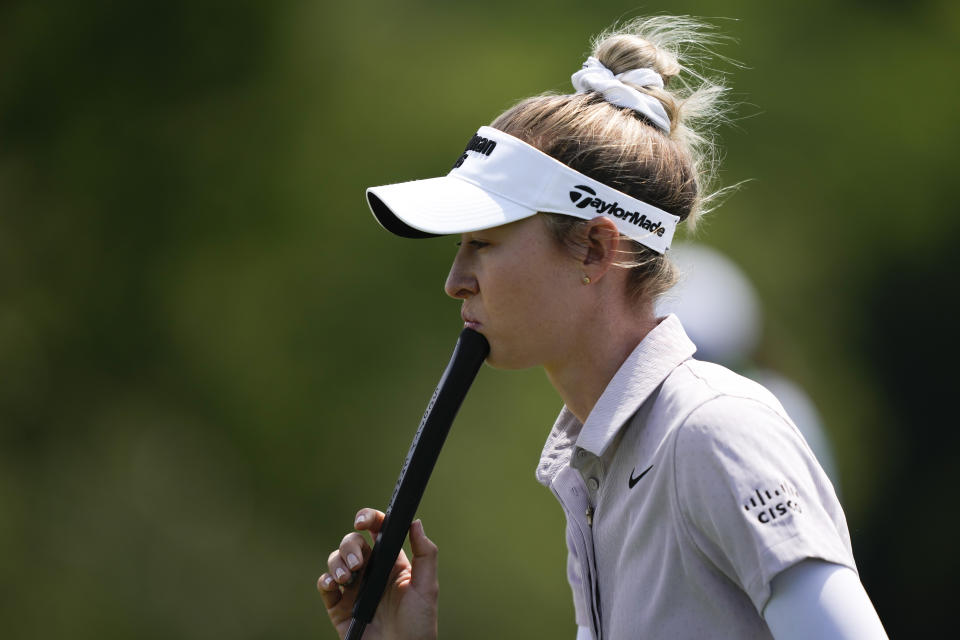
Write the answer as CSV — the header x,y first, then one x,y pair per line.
x,y
408,608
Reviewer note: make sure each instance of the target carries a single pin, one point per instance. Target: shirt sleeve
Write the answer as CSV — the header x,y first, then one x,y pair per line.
x,y
752,496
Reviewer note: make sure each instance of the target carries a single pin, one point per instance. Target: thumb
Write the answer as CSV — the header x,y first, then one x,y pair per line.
x,y
424,552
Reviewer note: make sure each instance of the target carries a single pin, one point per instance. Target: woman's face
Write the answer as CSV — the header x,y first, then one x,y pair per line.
x,y
518,287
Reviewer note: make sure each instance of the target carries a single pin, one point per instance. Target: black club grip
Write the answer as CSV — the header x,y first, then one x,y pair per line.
x,y
468,355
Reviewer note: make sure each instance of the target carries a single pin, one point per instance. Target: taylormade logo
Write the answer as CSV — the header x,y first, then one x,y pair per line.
x,y
586,197
480,145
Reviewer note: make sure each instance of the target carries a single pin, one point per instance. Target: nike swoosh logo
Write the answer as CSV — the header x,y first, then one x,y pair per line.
x,y
633,480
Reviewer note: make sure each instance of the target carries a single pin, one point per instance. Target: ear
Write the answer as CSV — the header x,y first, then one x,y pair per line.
x,y
602,240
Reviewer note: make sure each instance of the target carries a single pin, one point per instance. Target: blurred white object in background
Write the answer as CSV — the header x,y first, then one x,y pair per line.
x,y
721,312
717,304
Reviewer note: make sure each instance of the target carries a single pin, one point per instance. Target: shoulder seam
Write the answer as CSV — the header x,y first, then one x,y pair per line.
x,y
718,394
684,525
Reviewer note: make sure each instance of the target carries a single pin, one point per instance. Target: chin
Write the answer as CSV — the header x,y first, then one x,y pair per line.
x,y
507,359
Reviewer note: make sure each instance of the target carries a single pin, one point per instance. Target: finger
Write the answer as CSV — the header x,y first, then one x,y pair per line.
x,y
369,520
425,554
337,567
329,591
339,604
372,520
354,550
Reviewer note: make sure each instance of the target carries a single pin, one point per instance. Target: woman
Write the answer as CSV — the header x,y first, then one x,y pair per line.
x,y
694,507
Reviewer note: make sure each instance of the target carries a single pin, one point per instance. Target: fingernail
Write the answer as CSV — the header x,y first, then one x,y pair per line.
x,y
327,581
353,561
361,518
341,574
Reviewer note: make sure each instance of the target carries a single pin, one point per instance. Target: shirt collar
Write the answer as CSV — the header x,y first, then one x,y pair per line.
x,y
648,365
659,353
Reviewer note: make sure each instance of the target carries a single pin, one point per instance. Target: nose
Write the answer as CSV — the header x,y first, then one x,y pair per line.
x,y
461,282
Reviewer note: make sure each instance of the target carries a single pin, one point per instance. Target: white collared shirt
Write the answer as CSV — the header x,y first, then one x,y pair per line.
x,y
686,491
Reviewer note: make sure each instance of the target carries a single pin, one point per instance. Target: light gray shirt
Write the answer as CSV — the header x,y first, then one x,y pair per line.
x,y
686,491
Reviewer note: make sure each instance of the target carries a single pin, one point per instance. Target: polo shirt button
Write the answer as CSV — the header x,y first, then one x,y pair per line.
x,y
581,453
593,483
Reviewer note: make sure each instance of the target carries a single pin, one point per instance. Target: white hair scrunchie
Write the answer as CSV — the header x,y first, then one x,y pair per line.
x,y
594,76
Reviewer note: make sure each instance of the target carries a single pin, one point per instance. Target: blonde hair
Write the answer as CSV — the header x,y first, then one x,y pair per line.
x,y
619,147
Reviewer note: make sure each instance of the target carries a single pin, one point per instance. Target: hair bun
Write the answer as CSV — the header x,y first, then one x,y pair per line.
x,y
668,45
622,52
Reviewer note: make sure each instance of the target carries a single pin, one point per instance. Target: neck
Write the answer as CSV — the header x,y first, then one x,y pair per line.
x,y
595,355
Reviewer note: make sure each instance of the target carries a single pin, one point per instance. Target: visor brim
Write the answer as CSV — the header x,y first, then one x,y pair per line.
x,y
440,206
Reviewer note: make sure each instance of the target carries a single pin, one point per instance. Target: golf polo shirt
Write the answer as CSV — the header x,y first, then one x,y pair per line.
x,y
686,491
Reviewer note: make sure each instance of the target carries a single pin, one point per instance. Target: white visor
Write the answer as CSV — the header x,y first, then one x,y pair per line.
x,y
501,179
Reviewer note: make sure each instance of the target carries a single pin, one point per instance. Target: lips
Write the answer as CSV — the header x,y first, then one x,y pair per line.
x,y
470,321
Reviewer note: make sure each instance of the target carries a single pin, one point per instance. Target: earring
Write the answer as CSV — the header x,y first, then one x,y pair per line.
x,y
585,279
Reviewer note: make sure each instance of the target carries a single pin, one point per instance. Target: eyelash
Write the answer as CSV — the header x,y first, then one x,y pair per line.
x,y
476,244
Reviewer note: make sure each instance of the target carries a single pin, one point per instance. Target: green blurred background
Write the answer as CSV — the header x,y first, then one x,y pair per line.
x,y
211,355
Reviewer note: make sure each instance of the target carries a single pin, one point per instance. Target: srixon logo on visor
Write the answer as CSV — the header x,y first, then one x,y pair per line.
x,y
480,145
587,197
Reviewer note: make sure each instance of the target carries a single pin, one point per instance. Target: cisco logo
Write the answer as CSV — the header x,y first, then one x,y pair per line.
x,y
769,504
